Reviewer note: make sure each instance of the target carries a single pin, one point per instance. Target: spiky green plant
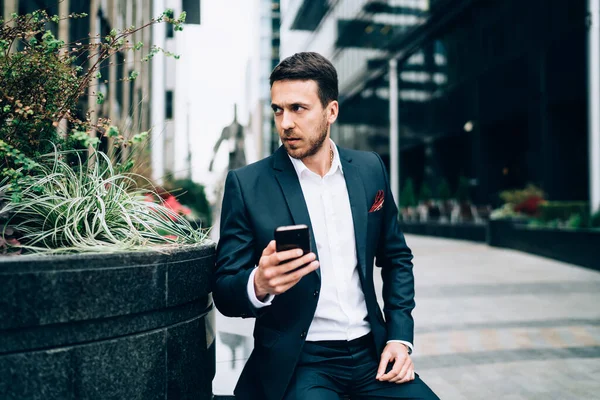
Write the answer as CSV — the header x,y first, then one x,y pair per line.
x,y
89,207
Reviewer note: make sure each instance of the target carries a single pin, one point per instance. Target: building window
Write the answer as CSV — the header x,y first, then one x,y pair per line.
x,y
170,31
192,9
169,105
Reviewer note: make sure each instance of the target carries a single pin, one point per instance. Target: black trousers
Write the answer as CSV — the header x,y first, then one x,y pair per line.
x,y
328,370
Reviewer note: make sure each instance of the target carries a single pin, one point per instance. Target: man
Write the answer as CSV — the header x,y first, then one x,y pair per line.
x,y
319,331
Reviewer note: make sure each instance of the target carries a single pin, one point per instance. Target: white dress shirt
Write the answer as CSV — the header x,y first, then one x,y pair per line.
x,y
341,312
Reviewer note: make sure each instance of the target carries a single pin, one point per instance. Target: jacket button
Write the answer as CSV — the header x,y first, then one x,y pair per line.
x,y
316,293
303,335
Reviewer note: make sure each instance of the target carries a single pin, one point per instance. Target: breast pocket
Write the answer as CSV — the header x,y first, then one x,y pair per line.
x,y
375,217
374,227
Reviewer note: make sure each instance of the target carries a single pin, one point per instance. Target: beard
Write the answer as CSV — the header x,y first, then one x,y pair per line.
x,y
314,144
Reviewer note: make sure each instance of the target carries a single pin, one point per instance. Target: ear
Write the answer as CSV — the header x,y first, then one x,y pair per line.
x,y
333,109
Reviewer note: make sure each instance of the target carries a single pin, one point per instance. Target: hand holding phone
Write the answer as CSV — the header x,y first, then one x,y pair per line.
x,y
293,237
284,261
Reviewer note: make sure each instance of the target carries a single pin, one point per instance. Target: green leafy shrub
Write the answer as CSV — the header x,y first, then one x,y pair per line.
x,y
520,203
536,223
425,193
33,95
407,196
506,212
575,221
564,211
443,190
517,196
41,85
54,198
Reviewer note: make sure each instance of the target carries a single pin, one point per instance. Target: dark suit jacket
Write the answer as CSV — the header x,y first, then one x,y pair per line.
x,y
262,196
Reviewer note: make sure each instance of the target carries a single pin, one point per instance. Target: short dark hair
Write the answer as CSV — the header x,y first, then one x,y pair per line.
x,y
309,66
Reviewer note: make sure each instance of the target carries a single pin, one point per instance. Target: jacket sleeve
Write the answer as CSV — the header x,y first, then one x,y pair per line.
x,y
235,254
395,259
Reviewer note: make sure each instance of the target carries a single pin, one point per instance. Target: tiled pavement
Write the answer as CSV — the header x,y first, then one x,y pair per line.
x,y
490,324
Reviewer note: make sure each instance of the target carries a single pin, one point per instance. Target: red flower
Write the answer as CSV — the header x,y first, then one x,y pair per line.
x,y
529,206
169,201
172,203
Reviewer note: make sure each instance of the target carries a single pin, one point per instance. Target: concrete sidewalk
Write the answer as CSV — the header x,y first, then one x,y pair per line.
x,y
490,324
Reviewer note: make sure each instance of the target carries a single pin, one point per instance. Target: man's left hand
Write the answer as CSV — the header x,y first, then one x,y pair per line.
x,y
403,369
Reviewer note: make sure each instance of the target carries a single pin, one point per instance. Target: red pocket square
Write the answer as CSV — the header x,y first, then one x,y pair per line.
x,y
378,203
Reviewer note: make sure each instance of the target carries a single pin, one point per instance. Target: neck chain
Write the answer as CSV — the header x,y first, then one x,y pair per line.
x,y
330,157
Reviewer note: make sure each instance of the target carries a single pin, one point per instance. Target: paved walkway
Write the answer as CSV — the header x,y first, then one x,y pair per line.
x,y
490,324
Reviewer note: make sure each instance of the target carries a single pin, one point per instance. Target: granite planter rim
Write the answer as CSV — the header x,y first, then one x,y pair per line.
x,y
557,230
135,325
152,255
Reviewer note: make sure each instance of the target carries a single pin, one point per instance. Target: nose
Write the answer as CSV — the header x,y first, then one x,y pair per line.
x,y
287,120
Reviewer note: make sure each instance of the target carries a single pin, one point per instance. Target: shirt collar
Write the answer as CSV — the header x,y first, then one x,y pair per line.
x,y
335,165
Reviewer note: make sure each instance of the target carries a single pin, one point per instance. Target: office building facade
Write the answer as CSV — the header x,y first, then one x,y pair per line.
x,y
146,103
491,90
265,58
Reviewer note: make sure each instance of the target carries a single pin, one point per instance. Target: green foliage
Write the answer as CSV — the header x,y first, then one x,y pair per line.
x,y
536,223
41,84
85,139
17,177
192,195
169,16
113,132
518,196
139,137
521,204
564,211
35,86
575,221
506,212
53,199
443,190
563,214
6,150
89,207
425,193
407,196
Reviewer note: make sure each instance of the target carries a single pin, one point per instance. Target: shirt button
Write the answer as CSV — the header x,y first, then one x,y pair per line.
x,y
303,335
316,293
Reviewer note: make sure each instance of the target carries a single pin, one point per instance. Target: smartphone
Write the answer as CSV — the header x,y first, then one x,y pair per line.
x,y
293,237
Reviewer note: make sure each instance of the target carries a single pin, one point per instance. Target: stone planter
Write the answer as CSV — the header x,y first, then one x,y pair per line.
x,y
574,246
107,326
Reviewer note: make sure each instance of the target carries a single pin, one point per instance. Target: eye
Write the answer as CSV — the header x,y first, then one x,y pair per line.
x,y
297,108
276,110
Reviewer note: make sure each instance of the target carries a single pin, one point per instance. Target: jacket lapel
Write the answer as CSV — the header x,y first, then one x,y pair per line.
x,y
292,191
358,205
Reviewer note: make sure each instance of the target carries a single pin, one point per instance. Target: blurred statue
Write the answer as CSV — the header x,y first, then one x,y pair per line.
x,y
232,133
233,341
